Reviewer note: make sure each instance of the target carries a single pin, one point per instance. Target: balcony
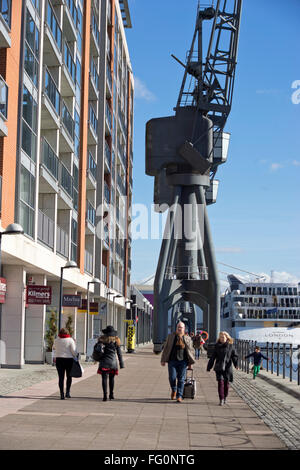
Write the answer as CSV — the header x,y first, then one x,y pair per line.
x,y
103,273
70,20
62,242
50,112
108,120
95,35
45,229
106,237
93,124
48,169
5,23
67,130
107,156
90,218
3,107
94,81
66,187
52,39
106,193
108,82
121,185
91,172
88,262
68,77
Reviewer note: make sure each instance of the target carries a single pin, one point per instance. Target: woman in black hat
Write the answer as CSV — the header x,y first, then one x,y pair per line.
x,y
108,364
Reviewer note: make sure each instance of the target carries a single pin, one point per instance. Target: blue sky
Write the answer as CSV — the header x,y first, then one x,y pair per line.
x,y
255,222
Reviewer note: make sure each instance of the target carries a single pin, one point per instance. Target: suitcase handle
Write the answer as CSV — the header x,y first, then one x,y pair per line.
x,y
190,370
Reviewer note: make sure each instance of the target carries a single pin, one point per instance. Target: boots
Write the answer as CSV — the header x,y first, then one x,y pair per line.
x,y
104,397
68,394
62,395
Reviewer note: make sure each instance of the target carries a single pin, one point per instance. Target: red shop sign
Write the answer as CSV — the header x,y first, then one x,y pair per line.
x,y
2,290
38,295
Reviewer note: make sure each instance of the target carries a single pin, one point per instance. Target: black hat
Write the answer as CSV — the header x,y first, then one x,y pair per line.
x,y
110,331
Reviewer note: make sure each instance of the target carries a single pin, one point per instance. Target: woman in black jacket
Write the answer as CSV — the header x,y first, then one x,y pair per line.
x,y
224,356
108,364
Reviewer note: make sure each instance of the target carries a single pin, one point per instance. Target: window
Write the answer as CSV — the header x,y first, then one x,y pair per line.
x,y
75,187
27,197
32,49
29,124
74,227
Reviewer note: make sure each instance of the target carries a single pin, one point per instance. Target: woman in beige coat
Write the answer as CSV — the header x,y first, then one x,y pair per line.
x,y
178,352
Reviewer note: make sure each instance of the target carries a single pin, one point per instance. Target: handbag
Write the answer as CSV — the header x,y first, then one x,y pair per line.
x,y
77,369
98,352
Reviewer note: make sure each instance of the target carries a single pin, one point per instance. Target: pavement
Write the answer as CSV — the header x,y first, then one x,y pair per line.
x,y
259,414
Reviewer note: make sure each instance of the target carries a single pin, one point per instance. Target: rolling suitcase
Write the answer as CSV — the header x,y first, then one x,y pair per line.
x,y
189,390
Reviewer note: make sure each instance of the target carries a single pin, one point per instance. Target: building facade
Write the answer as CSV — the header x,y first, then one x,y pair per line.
x,y
256,305
66,139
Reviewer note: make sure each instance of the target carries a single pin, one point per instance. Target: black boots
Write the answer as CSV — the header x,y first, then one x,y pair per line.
x,y
68,394
62,396
111,396
104,397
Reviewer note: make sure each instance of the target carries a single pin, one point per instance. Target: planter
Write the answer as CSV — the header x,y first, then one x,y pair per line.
x,y
49,357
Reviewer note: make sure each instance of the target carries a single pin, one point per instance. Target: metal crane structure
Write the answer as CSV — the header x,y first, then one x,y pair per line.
x,y
183,153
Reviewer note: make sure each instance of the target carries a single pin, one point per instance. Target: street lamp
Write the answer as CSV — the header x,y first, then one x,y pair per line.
x,y
69,264
115,297
107,294
12,229
95,280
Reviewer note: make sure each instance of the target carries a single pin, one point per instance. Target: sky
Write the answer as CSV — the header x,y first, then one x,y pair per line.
x,y
255,222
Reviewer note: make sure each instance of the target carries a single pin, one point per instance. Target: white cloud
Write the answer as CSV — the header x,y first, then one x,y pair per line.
x,y
275,166
296,162
141,90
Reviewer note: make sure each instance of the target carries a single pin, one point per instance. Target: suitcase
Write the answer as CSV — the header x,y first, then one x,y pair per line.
x,y
189,390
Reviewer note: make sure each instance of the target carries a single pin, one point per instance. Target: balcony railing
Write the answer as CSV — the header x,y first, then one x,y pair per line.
x,y
106,234
5,10
92,165
108,116
94,74
3,97
67,120
66,180
106,193
107,154
73,10
88,262
90,213
62,242
109,77
70,62
50,159
53,24
93,118
52,92
121,184
45,229
95,28
103,273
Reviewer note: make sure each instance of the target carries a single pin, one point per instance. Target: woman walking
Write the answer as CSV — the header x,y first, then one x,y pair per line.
x,y
223,356
108,364
179,353
64,352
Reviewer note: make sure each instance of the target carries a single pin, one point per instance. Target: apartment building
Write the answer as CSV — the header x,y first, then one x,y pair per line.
x,y
66,130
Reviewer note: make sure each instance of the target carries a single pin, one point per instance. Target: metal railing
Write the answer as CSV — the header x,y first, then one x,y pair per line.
x,y
109,76
108,116
54,27
107,154
70,64
93,119
65,179
90,213
62,242
283,358
5,10
51,91
92,165
45,229
94,74
88,262
106,193
187,272
67,120
50,159
73,10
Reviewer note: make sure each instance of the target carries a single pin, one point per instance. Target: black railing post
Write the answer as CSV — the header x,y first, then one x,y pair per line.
x,y
291,362
272,359
278,358
298,364
267,356
283,362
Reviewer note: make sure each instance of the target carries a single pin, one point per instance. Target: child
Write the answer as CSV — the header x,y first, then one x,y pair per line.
x,y
257,357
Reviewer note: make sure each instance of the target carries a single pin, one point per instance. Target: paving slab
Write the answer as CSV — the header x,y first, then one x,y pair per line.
x,y
142,416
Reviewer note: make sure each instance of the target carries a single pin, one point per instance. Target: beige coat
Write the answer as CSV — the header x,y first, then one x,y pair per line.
x,y
169,344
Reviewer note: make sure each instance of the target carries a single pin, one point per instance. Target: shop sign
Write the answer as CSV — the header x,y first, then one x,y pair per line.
x,y
2,290
38,295
93,310
71,300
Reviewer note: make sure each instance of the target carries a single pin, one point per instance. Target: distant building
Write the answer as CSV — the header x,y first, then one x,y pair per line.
x,y
256,305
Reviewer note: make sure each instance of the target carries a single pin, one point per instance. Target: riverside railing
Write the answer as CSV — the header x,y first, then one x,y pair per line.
x,y
283,358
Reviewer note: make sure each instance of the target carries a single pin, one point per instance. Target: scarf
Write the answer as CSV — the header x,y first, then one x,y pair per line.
x,y
64,336
180,342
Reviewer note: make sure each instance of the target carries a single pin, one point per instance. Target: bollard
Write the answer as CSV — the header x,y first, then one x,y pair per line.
x,y
131,338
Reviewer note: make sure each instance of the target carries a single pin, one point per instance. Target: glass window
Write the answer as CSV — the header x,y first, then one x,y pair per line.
x,y
27,196
32,45
29,124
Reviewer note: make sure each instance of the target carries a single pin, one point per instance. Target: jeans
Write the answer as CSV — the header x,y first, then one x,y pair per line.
x,y
197,353
177,371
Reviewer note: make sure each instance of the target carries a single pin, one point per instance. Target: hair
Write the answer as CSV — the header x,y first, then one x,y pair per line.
x,y
63,331
228,340
110,339
257,347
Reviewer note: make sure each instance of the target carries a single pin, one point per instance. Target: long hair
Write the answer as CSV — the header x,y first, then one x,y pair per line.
x,y
229,340
110,339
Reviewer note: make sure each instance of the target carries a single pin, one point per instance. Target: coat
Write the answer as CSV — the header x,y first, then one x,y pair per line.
x,y
169,345
111,349
223,356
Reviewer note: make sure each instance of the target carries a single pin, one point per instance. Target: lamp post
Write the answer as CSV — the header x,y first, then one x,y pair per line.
x,y
127,302
115,297
107,294
69,264
95,280
12,229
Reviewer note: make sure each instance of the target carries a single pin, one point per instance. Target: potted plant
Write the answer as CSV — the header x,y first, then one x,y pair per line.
x,y
50,336
69,326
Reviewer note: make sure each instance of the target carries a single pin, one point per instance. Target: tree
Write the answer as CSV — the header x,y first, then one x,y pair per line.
x,y
69,326
51,331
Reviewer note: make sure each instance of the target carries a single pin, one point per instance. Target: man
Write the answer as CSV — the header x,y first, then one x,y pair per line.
x,y
178,352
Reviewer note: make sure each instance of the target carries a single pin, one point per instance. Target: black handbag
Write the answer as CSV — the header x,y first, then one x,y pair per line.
x,y
98,352
76,370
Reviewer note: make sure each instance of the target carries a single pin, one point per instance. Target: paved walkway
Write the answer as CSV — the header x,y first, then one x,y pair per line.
x,y
142,416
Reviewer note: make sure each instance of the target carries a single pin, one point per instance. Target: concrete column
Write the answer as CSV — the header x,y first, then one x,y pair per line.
x,y
34,329
13,317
